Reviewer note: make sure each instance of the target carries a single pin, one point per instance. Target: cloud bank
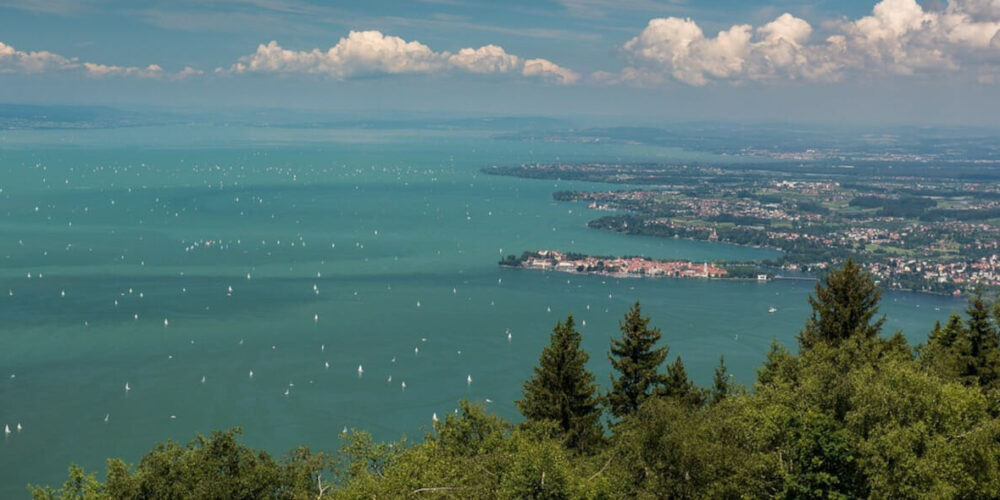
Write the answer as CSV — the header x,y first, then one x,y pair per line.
x,y
900,37
14,61
959,39
19,61
366,53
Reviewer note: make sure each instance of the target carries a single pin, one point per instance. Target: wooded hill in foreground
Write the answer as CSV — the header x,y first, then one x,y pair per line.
x,y
850,414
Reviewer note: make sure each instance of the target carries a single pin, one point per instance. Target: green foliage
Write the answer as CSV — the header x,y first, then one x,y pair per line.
x,y
907,206
79,486
459,459
822,459
637,360
669,450
538,469
213,467
680,388
948,352
844,306
563,390
779,365
472,454
361,461
983,342
471,431
919,437
722,383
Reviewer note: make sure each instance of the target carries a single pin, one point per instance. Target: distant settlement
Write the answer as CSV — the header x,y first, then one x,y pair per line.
x,y
619,267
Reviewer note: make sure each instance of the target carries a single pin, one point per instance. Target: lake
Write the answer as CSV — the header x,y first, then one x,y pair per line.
x,y
179,260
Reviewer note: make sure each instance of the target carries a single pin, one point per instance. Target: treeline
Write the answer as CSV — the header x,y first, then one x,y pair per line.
x,y
850,413
961,214
922,208
742,270
906,206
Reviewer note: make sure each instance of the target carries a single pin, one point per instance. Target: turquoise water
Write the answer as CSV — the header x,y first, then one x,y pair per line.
x,y
364,248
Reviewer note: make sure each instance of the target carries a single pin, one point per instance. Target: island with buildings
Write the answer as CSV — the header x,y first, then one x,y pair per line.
x,y
628,266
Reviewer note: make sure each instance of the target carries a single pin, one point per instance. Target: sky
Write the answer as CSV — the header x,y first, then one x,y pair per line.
x,y
849,61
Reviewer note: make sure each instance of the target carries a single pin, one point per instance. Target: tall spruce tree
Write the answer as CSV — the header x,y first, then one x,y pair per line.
x,y
563,390
844,306
983,343
637,360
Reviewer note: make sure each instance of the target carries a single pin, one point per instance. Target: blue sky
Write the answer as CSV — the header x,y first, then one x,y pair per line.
x,y
888,61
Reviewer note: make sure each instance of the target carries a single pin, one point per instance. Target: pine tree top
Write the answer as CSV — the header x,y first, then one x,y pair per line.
x,y
845,305
637,361
562,389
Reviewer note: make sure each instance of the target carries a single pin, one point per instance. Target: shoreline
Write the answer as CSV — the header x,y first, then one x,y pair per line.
x,y
711,278
630,275
765,247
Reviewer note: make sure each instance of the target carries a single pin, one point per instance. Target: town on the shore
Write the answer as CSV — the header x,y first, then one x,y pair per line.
x,y
619,267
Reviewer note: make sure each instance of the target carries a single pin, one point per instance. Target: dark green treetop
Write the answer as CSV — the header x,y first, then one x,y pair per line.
x,y
722,384
680,388
563,390
983,345
844,306
637,360
948,352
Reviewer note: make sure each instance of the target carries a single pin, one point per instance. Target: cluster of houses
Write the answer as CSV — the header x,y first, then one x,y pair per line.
x,y
808,187
711,207
965,274
620,266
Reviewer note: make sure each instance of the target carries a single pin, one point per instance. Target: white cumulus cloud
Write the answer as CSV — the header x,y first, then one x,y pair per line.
x,y
98,70
18,61
550,71
487,59
363,53
899,37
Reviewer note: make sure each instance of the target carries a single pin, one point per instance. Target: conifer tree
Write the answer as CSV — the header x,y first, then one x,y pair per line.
x,y
679,387
563,390
949,352
780,366
948,335
844,306
983,341
721,384
637,360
